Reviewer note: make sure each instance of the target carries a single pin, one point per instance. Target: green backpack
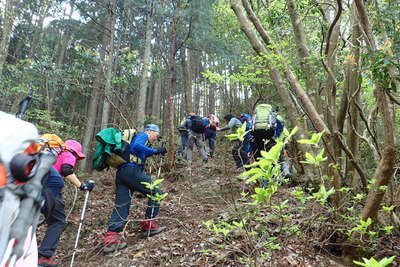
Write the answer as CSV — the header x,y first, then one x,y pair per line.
x,y
113,148
265,120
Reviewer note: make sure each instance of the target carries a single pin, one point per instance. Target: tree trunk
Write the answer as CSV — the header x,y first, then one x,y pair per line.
x,y
211,100
156,103
169,95
145,71
91,118
8,20
93,107
304,54
110,63
352,85
384,172
329,61
187,78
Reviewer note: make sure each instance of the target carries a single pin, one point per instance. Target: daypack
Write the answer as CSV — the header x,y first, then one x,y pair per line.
x,y
197,124
265,120
112,148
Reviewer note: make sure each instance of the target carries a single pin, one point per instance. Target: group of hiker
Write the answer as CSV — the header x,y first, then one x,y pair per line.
x,y
127,151
196,130
262,130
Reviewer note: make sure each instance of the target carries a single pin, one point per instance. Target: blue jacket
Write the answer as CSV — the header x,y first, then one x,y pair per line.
x,y
140,149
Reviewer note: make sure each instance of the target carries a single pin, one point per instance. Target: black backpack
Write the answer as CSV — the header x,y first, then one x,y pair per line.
x,y
197,124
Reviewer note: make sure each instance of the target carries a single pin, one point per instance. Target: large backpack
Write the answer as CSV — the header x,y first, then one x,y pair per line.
x,y
197,124
113,148
50,142
265,120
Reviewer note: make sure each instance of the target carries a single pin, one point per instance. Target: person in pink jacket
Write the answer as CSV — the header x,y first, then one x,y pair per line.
x,y
55,217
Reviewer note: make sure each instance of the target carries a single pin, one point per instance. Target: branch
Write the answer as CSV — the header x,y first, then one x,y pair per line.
x,y
368,127
333,24
357,166
393,98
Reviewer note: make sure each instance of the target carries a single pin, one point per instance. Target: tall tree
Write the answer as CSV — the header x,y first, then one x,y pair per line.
x,y
146,67
7,24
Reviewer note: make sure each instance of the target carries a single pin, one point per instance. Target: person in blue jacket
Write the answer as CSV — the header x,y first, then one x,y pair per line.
x,y
130,177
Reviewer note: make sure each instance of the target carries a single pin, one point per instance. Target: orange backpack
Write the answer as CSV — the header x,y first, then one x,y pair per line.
x,y
50,142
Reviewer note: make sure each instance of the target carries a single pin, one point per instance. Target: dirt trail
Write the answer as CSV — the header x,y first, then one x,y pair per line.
x,y
195,195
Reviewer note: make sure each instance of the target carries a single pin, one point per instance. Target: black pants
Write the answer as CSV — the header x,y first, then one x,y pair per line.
x,y
55,226
239,155
128,180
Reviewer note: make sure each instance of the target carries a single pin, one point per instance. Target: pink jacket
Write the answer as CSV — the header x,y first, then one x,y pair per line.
x,y
65,157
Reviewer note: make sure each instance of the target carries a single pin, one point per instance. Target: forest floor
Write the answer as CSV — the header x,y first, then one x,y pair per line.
x,y
195,195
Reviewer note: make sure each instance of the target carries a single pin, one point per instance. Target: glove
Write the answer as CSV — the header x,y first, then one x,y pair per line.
x,y
161,150
86,186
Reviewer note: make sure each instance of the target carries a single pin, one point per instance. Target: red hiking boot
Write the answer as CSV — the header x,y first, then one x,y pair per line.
x,y
112,242
46,262
150,227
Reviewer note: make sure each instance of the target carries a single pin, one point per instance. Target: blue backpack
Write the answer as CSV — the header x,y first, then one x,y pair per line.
x,y
244,117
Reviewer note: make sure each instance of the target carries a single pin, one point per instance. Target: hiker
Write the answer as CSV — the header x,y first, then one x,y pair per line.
x,y
210,134
239,149
129,178
268,126
53,184
184,133
196,127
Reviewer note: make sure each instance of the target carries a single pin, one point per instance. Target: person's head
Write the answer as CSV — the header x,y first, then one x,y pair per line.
x,y
153,131
192,114
228,117
76,148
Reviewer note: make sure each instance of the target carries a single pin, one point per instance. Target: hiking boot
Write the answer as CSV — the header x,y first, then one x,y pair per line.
x,y
112,242
150,227
46,262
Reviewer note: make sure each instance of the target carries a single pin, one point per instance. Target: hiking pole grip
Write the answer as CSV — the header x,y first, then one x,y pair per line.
x,y
81,222
92,182
30,204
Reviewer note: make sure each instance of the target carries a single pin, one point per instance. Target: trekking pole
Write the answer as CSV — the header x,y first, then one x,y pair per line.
x,y
80,223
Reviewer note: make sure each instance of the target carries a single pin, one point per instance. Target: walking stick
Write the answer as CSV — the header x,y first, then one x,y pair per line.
x,y
80,223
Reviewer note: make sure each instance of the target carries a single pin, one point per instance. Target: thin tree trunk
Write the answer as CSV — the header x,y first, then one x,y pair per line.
x,y
8,20
211,100
187,73
169,96
66,36
93,107
91,118
304,54
110,63
156,103
145,71
353,85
